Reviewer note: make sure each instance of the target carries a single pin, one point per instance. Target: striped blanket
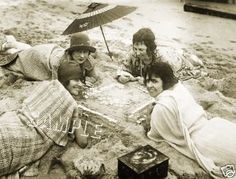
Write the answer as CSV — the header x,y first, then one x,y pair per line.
x,y
27,134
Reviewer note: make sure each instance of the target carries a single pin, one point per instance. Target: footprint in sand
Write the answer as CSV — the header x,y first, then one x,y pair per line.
x,y
112,26
157,22
177,40
182,28
197,35
126,19
131,24
208,42
139,14
232,41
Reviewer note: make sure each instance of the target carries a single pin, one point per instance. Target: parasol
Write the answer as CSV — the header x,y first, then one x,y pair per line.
x,y
96,15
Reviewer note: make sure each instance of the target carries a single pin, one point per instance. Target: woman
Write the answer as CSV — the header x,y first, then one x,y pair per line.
x,y
177,119
41,62
45,119
144,54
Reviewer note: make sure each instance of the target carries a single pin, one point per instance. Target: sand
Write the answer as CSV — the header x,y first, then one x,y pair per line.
x,y
211,39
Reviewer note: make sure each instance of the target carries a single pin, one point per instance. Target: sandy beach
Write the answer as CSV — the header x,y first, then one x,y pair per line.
x,y
211,39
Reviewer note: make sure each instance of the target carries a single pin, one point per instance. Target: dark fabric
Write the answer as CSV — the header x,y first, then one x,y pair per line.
x,y
69,70
80,41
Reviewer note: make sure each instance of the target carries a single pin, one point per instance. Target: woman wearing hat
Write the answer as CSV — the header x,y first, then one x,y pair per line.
x,y
41,62
45,118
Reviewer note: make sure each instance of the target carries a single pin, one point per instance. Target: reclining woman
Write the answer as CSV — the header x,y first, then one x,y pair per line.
x,y
41,62
181,122
145,53
46,117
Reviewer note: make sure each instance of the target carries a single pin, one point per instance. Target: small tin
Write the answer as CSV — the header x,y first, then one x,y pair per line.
x,y
143,163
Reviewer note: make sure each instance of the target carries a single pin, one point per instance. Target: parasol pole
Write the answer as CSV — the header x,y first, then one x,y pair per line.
x,y
109,53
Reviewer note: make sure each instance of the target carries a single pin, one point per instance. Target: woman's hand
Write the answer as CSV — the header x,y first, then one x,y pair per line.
x,y
123,79
81,138
145,122
140,80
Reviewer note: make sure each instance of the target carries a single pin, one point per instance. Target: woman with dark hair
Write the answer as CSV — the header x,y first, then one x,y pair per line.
x,y
45,118
178,120
143,56
145,53
165,72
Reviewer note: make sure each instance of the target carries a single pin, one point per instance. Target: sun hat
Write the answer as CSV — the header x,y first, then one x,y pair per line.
x,y
80,41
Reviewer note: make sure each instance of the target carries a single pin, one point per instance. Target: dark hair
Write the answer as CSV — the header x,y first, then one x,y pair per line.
x,y
147,36
68,71
164,71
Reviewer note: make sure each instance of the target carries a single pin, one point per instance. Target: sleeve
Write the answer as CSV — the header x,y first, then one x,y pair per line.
x,y
55,60
127,63
92,73
164,123
156,117
126,68
91,70
74,123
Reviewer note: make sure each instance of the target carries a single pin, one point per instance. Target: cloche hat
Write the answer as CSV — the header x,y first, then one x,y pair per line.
x,y
80,41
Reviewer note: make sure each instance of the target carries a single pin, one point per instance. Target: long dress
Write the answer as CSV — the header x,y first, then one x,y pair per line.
x,y
40,62
180,121
28,133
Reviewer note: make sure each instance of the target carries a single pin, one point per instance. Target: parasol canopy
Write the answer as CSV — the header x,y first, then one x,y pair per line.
x,y
96,15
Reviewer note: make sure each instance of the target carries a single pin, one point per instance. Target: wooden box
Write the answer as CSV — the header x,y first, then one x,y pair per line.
x,y
143,163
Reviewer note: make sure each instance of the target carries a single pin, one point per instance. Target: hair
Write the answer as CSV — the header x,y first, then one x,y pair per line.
x,y
68,71
147,36
164,71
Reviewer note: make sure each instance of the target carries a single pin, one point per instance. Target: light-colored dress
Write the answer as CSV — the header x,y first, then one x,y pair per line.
x,y
40,62
180,121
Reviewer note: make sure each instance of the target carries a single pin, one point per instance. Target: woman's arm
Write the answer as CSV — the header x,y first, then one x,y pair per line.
x,y
81,138
164,121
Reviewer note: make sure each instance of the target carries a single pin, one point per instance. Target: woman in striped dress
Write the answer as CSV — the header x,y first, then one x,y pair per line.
x,y
45,119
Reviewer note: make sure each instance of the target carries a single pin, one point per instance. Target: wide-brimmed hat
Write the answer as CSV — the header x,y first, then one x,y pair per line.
x,y
80,41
